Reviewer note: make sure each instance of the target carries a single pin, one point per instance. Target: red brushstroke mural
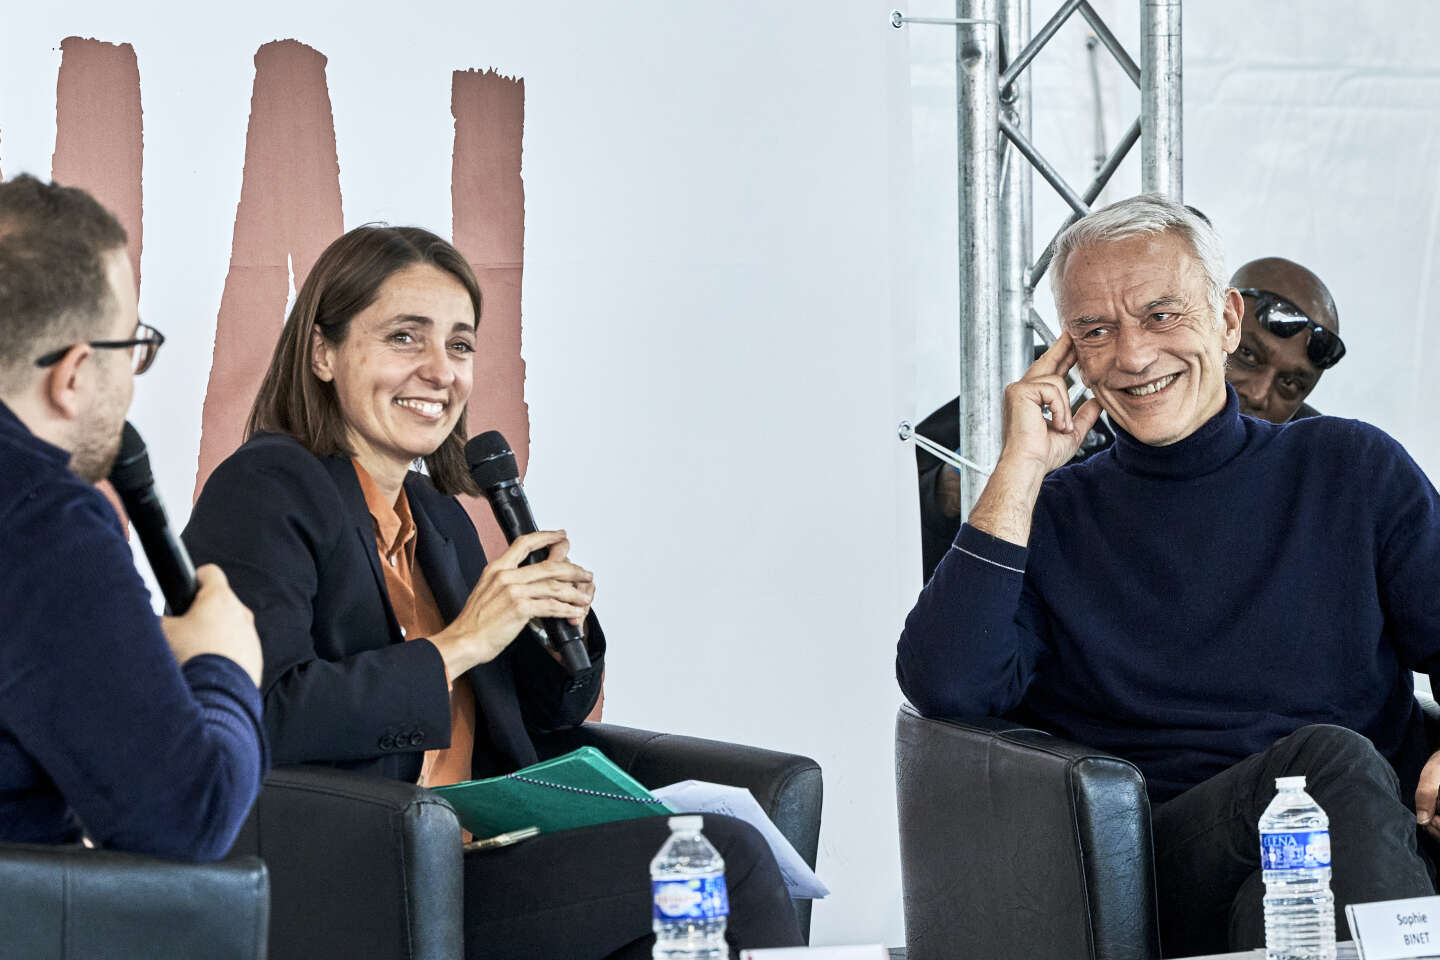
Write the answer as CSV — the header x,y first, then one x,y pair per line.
x,y
289,212
290,208
487,202
99,136
99,139
487,198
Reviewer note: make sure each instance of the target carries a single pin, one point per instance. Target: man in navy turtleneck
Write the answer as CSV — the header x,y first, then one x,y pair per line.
x,y
1218,599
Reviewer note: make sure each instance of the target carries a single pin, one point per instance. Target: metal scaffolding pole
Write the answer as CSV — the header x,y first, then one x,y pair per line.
x,y
998,322
1016,242
1160,81
977,94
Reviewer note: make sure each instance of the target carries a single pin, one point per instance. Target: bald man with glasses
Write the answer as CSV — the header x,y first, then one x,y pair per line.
x,y
116,726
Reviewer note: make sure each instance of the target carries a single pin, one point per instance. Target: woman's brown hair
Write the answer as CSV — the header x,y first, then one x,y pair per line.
x,y
344,281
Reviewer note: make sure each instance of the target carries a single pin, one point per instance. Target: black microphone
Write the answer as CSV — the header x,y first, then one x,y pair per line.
x,y
130,476
493,467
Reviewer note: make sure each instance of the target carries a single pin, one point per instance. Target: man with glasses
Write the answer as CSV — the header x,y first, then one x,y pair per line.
x,y
135,732
1217,599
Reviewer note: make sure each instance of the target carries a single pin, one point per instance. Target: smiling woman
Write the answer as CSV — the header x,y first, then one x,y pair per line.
x,y
403,371
379,306
391,645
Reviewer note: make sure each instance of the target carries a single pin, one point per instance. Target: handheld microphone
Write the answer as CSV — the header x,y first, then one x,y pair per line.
x,y
493,467
130,476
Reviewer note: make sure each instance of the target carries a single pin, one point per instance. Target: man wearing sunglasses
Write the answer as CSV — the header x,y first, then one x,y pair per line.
x,y
1217,599
139,733
1290,336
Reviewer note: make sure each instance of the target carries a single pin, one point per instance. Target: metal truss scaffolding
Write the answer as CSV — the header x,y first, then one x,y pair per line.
x,y
998,323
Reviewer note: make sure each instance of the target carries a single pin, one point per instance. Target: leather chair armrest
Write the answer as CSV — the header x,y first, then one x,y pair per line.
x,y
788,787
360,866
59,903
1017,844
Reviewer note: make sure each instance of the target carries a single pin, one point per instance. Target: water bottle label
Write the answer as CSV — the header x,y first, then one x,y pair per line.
x,y
1298,850
698,898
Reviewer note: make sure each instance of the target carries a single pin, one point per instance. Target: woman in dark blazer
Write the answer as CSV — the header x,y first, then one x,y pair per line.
x,y
336,545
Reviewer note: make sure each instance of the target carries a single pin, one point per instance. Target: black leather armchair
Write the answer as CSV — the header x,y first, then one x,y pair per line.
x,y
367,867
1017,844
69,903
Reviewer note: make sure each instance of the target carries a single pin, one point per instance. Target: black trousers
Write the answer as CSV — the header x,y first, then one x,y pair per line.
x,y
585,894
1207,840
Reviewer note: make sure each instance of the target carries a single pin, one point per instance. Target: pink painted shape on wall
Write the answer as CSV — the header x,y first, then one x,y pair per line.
x,y
99,141
99,133
487,200
289,211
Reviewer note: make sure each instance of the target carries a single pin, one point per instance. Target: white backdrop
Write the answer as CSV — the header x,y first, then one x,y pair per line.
x,y
740,273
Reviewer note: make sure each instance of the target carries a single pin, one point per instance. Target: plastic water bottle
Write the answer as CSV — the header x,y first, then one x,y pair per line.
x,y
687,880
1295,860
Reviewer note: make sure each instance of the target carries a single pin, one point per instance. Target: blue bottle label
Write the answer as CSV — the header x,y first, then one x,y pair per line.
x,y
1297,850
696,898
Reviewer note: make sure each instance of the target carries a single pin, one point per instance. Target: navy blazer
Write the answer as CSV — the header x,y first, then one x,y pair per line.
x,y
341,685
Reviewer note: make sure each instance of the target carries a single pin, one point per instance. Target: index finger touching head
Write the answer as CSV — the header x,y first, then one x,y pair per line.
x,y
1058,358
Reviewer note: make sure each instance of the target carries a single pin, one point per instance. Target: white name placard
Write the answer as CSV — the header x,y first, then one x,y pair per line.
x,y
1396,929
873,952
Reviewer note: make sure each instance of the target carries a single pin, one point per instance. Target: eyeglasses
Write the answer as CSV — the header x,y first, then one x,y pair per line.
x,y
1279,316
143,349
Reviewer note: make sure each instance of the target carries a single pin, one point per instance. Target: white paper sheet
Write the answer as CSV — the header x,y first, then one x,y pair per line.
x,y
697,796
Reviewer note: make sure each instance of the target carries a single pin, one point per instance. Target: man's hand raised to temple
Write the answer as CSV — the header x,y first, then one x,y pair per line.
x,y
1034,445
1426,796
1029,435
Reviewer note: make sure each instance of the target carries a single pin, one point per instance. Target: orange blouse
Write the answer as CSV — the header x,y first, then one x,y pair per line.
x,y
418,615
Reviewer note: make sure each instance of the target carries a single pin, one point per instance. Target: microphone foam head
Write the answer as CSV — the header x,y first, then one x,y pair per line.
x,y
491,460
131,469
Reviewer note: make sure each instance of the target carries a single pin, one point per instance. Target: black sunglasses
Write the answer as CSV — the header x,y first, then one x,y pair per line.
x,y
143,349
1279,316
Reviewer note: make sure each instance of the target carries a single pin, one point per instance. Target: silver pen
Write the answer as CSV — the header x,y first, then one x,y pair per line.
x,y
503,839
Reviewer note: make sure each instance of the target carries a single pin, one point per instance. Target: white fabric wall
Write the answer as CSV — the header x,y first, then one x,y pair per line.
x,y
740,273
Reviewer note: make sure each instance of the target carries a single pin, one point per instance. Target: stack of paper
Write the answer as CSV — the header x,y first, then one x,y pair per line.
x,y
697,796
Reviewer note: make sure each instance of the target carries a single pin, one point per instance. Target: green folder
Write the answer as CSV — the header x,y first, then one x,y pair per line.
x,y
577,790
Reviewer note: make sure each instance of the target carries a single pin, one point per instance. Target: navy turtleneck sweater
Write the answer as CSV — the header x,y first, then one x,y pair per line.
x,y
1186,606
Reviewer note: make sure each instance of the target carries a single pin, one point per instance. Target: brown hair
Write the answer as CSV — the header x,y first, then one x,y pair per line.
x,y
53,288
344,281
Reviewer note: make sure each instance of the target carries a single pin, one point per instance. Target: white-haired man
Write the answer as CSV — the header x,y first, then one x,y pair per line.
x,y
1220,600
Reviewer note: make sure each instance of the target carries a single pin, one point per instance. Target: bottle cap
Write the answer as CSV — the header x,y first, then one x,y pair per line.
x,y
690,824
1289,783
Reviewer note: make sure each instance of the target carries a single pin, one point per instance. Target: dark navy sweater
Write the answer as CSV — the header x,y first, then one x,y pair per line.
x,y
100,729
1186,606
